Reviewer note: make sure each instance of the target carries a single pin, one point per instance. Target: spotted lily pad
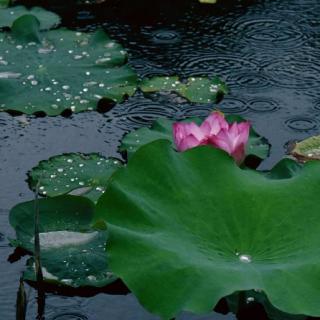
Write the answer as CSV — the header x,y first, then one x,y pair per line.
x,y
46,18
72,253
197,89
162,129
308,149
60,69
73,173
203,228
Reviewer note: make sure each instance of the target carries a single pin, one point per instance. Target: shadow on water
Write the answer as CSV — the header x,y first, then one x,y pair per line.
x,y
266,50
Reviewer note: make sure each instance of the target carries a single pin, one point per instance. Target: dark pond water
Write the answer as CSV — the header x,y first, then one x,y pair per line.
x,y
268,51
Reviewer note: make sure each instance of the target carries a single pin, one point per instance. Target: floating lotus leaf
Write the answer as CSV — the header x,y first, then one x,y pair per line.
x,y
197,89
72,253
162,129
46,18
75,173
193,227
60,69
308,149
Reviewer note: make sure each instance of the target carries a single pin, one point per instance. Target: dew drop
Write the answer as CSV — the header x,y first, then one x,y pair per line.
x,y
245,258
250,299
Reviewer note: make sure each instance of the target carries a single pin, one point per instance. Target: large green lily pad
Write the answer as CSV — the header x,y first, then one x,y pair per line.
x,y
162,129
197,89
72,253
194,227
60,69
46,18
75,173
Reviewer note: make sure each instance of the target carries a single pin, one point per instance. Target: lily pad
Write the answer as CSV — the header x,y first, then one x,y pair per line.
x,y
308,149
197,89
194,227
46,18
73,173
60,69
72,253
162,129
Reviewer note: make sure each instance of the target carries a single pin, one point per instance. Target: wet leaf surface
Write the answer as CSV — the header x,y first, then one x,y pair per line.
x,y
60,69
196,89
210,228
308,149
72,253
73,173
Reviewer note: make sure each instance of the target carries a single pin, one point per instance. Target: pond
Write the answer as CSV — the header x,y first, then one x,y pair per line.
x,y
267,51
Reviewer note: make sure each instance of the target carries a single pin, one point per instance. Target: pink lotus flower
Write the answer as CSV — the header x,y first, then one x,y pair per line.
x,y
216,131
233,140
190,135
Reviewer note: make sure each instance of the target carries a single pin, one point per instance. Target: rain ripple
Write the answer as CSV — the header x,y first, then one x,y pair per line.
x,y
268,33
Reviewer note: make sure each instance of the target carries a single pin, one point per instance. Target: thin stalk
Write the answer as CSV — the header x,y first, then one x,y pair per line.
x,y
37,260
37,257
21,304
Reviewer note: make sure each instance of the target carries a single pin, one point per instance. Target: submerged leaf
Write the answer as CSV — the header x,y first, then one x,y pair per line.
x,y
60,69
73,173
72,253
162,129
46,18
193,228
197,89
